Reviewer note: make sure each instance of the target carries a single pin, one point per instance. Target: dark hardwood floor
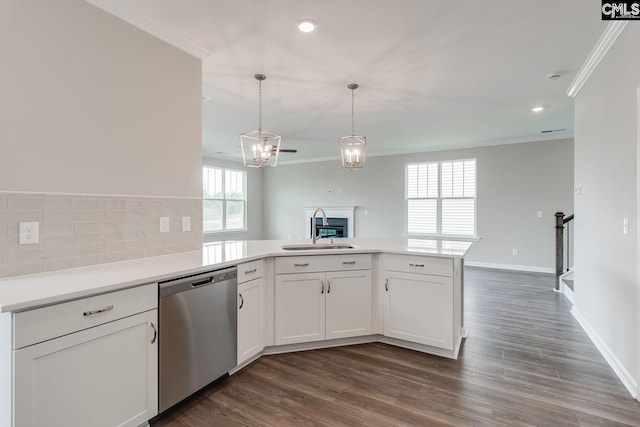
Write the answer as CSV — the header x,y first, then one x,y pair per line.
x,y
526,362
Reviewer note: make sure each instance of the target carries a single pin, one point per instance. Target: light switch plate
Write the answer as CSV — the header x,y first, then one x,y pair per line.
x,y
164,224
186,223
29,233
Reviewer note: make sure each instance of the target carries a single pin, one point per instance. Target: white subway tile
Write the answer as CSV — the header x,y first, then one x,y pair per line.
x,y
57,204
56,228
112,246
58,216
58,264
85,260
135,204
135,225
20,216
112,226
134,235
25,255
114,215
86,204
112,204
135,215
87,227
86,216
111,236
85,239
3,202
24,203
9,270
57,241
60,252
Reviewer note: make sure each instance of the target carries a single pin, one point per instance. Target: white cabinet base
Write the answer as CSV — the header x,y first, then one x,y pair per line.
x,y
79,380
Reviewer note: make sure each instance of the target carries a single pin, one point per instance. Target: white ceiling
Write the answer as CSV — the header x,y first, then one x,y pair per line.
x,y
432,74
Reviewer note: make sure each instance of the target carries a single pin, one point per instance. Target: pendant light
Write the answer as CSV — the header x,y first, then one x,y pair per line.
x,y
259,147
352,147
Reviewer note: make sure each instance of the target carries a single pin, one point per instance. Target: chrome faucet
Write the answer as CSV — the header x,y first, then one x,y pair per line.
x,y
314,238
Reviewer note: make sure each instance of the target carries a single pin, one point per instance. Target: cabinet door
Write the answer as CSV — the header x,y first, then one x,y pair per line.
x,y
348,297
103,376
419,308
300,307
250,323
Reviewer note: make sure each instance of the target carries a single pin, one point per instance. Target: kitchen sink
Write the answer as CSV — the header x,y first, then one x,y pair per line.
x,y
309,246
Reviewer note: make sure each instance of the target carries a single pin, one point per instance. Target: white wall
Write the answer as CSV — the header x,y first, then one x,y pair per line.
x,y
254,202
606,167
93,105
514,182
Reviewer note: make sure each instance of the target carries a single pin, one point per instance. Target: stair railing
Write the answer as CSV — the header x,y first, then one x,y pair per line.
x,y
563,263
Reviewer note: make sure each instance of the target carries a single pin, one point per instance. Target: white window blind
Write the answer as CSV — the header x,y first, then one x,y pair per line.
x,y
224,199
441,198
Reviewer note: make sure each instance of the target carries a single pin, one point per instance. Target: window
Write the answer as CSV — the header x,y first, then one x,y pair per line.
x,y
224,199
441,198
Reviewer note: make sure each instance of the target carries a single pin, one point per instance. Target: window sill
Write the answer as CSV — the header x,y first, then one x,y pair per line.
x,y
442,237
217,233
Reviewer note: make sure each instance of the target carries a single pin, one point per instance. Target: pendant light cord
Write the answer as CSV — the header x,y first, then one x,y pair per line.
x,y
260,110
353,102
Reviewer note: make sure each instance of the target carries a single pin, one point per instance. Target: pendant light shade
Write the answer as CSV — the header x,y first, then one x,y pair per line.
x,y
352,147
260,147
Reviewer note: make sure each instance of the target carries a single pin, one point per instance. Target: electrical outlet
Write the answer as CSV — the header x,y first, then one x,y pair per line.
x,y
625,226
539,214
186,223
164,224
29,233
514,251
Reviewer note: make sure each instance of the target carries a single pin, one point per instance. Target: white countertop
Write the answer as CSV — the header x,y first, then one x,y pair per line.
x,y
25,292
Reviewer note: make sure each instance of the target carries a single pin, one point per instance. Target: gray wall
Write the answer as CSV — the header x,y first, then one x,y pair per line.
x,y
254,203
100,136
606,156
91,104
514,182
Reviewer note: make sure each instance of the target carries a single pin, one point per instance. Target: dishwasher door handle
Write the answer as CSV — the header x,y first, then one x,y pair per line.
x,y
202,282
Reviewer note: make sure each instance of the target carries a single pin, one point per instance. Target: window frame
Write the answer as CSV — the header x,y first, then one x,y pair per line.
x,y
224,200
439,205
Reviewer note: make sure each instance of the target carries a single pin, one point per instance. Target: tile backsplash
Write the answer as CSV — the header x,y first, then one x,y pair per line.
x,y
81,230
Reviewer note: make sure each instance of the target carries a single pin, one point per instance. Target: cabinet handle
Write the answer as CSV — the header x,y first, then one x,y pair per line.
x,y
251,271
386,285
322,289
241,301
328,286
416,265
98,311
348,262
306,264
155,333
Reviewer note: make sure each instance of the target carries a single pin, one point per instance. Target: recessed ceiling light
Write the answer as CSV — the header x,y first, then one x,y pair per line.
x,y
306,25
537,109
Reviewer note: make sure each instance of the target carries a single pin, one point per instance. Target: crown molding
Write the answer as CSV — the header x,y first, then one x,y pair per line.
x,y
123,10
608,37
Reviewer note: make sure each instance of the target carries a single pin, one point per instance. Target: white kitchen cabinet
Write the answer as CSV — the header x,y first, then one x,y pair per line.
x,y
299,309
348,304
322,305
103,375
250,311
419,307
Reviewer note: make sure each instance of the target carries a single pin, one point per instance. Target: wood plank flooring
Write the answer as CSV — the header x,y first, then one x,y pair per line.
x,y
526,362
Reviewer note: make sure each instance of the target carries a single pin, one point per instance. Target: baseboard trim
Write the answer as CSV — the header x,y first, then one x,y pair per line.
x,y
626,378
513,267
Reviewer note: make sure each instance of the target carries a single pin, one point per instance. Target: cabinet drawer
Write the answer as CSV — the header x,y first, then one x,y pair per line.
x,y
41,324
419,264
250,270
320,263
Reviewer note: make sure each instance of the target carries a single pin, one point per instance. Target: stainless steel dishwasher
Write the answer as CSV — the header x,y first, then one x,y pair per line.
x,y
197,333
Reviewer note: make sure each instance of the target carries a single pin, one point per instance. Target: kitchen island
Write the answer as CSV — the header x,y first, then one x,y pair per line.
x,y
406,292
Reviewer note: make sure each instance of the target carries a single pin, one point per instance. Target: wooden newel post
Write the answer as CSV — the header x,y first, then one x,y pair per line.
x,y
559,247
